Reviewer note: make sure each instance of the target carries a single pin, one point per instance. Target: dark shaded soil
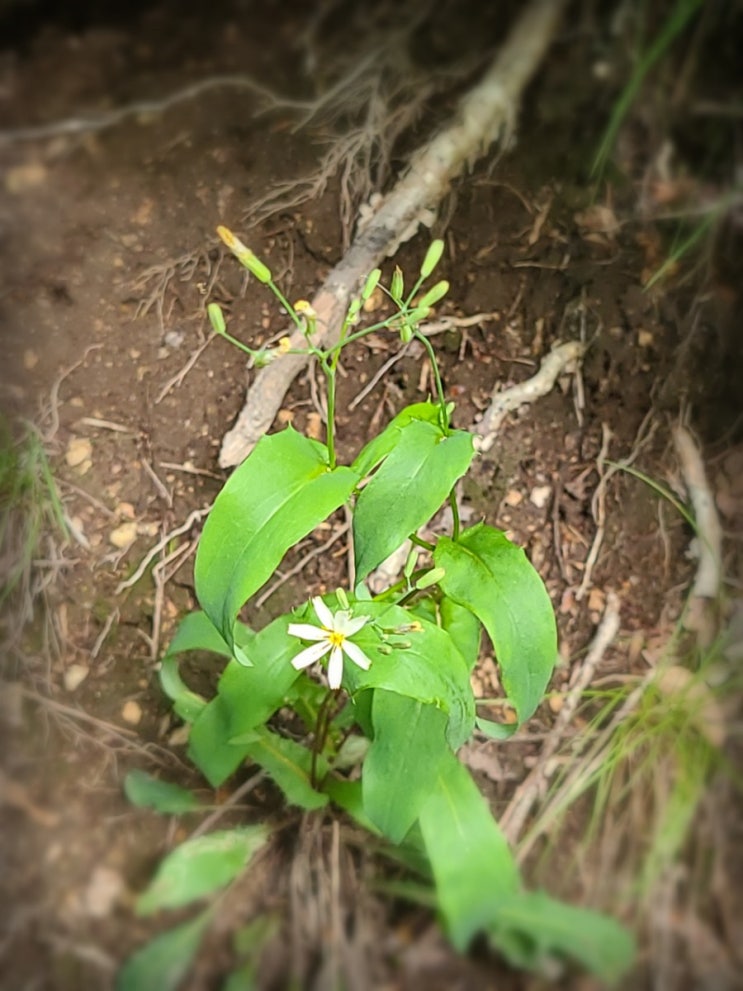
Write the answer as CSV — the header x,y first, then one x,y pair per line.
x,y
108,256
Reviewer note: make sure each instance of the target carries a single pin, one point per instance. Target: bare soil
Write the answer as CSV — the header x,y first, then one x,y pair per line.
x,y
108,257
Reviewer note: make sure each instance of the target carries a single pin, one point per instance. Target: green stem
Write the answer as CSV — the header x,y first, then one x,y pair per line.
x,y
285,303
330,425
419,542
238,344
455,515
321,734
436,376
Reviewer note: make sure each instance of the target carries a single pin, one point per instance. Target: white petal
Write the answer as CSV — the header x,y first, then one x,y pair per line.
x,y
335,668
323,613
350,625
357,655
305,631
309,655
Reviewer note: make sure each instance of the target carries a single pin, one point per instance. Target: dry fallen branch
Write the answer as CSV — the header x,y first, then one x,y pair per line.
x,y
563,358
708,576
486,114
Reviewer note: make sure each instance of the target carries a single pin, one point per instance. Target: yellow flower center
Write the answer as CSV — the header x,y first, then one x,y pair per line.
x,y
336,638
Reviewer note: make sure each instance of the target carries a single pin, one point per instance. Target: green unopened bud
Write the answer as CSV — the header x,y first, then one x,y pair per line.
x,y
434,294
410,563
433,257
397,285
261,358
430,578
216,318
371,283
354,307
406,333
419,313
342,597
245,256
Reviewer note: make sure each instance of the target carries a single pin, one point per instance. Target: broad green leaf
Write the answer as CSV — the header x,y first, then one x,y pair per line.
x,y
496,731
411,484
200,866
278,495
463,627
380,446
347,796
246,698
148,792
474,869
195,632
492,577
210,744
165,961
428,668
530,926
187,704
403,761
289,764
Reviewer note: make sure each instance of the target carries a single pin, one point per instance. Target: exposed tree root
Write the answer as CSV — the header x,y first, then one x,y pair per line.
x,y
485,114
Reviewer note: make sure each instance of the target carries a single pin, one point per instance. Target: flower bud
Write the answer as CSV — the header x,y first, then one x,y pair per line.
x,y
433,257
216,318
397,285
263,357
371,284
434,294
245,256
430,578
342,597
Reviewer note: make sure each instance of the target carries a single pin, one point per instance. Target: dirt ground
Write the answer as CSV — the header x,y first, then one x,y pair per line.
x,y
109,256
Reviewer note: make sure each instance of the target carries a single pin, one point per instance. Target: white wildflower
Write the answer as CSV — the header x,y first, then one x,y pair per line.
x,y
332,636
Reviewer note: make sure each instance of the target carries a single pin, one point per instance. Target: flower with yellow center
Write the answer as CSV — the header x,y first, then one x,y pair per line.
x,y
332,636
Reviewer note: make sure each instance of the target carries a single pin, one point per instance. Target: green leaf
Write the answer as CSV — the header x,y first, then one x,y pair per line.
x,y
473,868
430,669
278,495
380,446
187,704
146,791
210,744
195,632
165,961
463,627
253,694
403,761
289,765
246,698
411,484
347,796
530,926
492,577
200,866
